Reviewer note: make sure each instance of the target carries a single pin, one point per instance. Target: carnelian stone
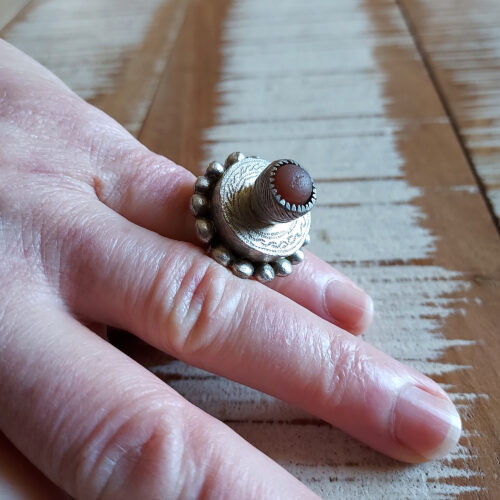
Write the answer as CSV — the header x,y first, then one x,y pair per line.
x,y
293,184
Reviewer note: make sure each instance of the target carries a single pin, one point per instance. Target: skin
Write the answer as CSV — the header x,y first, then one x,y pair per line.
x,y
85,241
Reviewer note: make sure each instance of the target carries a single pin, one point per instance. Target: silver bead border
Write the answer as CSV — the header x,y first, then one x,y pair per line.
x,y
205,228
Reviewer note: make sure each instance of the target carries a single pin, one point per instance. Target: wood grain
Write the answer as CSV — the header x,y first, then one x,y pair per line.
x,y
111,53
10,9
340,86
460,41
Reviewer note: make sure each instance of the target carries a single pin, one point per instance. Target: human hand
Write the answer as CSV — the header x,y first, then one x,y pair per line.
x,y
95,230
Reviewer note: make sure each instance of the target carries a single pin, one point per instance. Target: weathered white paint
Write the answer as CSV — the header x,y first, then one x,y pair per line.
x,y
463,38
300,79
68,32
8,10
102,37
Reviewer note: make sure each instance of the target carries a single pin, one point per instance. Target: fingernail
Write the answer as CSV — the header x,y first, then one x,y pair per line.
x,y
349,306
427,424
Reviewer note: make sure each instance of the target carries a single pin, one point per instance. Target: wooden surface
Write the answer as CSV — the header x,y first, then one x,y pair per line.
x,y
395,108
9,10
460,41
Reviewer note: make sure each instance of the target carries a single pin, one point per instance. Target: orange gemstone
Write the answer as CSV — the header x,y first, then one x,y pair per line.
x,y
293,184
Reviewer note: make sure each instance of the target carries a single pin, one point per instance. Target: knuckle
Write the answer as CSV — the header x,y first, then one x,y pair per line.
x,y
136,169
347,367
150,168
203,309
143,454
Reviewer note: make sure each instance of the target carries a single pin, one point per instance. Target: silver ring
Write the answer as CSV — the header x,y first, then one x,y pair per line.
x,y
254,214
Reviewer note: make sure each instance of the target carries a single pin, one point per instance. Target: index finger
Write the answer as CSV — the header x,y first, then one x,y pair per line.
x,y
179,300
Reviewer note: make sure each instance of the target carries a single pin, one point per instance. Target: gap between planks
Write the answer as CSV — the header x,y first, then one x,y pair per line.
x,y
413,31
9,13
178,28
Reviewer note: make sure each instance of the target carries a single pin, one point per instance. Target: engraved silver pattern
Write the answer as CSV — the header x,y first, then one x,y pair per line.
x,y
241,228
248,226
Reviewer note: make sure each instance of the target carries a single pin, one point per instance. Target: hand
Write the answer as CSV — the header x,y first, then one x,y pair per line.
x,y
95,230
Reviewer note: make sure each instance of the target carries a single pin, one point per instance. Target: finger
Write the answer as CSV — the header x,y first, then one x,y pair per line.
x,y
176,298
147,189
328,293
101,426
154,193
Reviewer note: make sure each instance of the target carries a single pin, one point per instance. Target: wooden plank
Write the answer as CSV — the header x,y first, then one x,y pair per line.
x,y
10,9
111,53
341,87
461,42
